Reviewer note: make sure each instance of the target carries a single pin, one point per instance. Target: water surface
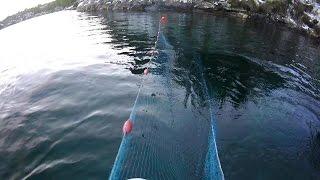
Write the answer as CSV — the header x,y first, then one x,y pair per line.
x,y
68,81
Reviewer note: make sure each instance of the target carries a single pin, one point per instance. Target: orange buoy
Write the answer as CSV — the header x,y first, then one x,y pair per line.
x,y
146,71
127,127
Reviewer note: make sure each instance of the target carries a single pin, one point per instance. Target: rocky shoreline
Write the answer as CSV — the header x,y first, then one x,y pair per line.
x,y
298,14
302,15
39,10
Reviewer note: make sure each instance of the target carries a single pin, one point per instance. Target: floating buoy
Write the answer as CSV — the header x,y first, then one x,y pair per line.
x,y
146,71
163,20
127,127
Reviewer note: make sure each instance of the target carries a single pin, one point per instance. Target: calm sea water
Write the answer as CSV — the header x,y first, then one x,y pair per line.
x,y
68,81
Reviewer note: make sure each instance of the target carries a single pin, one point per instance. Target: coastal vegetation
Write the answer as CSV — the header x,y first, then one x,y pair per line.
x,y
39,10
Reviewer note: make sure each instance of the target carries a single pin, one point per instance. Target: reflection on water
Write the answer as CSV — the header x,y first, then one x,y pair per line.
x,y
68,81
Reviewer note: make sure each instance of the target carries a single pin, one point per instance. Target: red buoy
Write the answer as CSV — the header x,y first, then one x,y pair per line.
x,y
146,71
163,20
127,127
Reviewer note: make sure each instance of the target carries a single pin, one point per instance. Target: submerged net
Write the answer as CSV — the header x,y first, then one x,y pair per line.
x,y
169,139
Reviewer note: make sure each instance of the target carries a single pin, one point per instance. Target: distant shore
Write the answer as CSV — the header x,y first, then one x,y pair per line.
x,y
297,14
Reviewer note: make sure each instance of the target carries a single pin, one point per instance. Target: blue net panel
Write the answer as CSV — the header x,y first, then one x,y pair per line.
x,y
172,136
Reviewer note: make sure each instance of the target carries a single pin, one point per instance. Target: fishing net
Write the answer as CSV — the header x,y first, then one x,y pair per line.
x,y
172,137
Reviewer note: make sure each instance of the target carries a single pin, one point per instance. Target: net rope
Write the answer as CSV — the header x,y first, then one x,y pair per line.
x,y
169,139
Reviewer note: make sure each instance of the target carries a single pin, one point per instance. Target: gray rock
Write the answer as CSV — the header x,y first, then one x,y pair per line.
x,y
180,5
153,7
204,5
306,19
296,13
91,5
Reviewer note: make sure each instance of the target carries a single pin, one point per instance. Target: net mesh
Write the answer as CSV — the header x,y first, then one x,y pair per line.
x,y
169,139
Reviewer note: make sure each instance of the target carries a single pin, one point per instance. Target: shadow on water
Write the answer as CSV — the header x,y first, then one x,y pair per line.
x,y
236,78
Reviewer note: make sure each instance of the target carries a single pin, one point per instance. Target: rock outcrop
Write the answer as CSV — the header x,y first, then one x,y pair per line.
x,y
299,14
303,15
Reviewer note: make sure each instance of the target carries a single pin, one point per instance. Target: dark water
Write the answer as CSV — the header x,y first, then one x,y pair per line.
x,y
68,82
